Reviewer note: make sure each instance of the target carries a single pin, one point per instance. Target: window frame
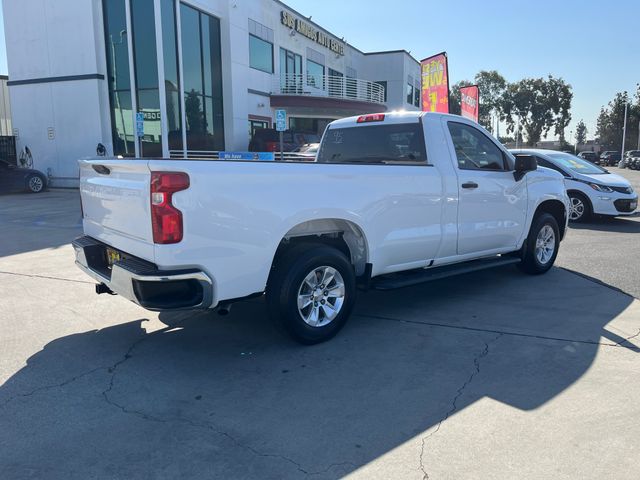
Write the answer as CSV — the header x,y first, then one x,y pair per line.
x,y
552,167
272,60
507,167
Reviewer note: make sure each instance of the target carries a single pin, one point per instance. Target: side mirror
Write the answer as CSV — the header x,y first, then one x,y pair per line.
x,y
524,164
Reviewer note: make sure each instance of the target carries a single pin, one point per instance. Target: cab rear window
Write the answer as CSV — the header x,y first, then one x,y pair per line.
x,y
399,144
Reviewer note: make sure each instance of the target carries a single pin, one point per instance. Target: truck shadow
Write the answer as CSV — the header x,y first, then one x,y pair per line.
x,y
231,397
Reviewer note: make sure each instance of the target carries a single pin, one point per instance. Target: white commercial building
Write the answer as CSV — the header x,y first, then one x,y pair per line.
x,y
205,75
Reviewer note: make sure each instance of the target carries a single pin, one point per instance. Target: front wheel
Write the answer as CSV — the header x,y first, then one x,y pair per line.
x,y
541,246
580,208
311,292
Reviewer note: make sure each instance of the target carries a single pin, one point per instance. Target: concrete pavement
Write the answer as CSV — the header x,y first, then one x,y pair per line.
x,y
491,375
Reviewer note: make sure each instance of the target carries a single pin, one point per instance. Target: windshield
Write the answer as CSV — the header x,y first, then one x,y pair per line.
x,y
576,164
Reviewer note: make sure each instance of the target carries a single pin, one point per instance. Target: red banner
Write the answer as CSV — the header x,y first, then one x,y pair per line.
x,y
470,102
435,83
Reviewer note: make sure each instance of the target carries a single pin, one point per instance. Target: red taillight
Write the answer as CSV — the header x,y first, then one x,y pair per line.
x,y
166,220
273,146
376,117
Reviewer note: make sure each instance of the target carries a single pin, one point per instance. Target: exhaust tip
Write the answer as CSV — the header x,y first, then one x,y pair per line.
x,y
224,309
102,288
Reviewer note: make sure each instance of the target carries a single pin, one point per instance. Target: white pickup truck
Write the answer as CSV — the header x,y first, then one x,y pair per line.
x,y
391,200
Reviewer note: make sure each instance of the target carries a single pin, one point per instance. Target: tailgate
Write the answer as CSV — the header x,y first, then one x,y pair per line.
x,y
116,204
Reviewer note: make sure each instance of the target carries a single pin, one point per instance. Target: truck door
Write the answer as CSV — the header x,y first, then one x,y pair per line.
x,y
492,205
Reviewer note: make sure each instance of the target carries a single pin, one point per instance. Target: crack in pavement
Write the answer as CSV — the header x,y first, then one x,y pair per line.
x,y
52,386
113,370
46,277
454,402
501,332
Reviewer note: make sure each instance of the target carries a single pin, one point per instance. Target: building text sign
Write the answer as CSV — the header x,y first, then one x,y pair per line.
x,y
312,33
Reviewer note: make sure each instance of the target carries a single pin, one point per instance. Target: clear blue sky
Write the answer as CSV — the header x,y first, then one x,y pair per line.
x,y
593,45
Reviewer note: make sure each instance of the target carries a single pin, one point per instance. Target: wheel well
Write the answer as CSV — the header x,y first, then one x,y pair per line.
x,y
344,235
557,209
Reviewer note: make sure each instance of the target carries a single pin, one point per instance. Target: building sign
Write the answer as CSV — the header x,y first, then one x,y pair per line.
x,y
312,33
470,102
435,83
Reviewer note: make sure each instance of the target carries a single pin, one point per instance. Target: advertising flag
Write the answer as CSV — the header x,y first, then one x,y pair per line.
x,y
435,83
470,102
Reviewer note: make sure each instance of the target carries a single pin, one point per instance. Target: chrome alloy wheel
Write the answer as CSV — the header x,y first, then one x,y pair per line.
x,y
36,184
321,296
577,208
545,244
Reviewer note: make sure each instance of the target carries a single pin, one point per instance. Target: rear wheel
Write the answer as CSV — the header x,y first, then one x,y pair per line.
x,y
580,208
35,183
311,292
541,247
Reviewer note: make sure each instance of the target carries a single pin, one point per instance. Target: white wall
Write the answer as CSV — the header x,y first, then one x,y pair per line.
x,y
48,39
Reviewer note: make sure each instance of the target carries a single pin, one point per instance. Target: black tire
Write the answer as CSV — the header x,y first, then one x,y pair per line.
x,y
287,281
36,183
531,262
576,199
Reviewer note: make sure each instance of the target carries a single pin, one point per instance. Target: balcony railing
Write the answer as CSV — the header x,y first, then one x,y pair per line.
x,y
328,86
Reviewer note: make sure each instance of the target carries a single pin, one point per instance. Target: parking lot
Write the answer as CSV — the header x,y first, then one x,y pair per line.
x,y
490,375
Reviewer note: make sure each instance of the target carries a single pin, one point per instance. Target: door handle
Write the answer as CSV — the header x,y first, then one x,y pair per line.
x,y
470,185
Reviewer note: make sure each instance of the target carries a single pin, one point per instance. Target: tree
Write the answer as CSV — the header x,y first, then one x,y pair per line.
x,y
610,122
455,99
581,133
492,86
536,105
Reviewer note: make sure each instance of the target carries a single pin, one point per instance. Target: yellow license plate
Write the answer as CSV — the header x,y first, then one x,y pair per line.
x,y
113,256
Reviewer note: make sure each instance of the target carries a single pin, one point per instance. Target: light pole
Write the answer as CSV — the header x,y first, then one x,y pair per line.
x,y
570,137
624,129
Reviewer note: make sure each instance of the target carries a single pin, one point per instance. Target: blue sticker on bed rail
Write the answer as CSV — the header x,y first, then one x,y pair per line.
x,y
259,156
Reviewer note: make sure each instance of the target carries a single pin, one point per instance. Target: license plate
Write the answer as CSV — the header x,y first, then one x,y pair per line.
x,y
113,256
634,205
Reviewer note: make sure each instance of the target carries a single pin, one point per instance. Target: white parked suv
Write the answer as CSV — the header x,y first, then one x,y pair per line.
x,y
593,190
391,200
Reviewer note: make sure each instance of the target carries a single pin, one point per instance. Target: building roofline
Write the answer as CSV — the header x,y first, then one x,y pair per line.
x,y
382,52
306,19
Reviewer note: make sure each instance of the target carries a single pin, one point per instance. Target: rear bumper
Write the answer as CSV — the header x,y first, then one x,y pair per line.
x,y
142,282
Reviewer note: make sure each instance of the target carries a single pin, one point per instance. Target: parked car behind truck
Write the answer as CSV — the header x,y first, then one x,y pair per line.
x,y
592,190
391,200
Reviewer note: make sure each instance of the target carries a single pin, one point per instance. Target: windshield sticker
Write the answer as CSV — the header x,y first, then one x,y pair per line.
x,y
337,136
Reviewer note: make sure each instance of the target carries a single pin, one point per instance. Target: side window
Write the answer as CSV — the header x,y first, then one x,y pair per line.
x,y
401,144
474,150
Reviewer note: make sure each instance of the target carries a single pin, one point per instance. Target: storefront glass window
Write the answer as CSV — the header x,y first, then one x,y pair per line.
x,y
315,74
171,77
290,72
260,54
202,65
409,94
116,40
146,71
